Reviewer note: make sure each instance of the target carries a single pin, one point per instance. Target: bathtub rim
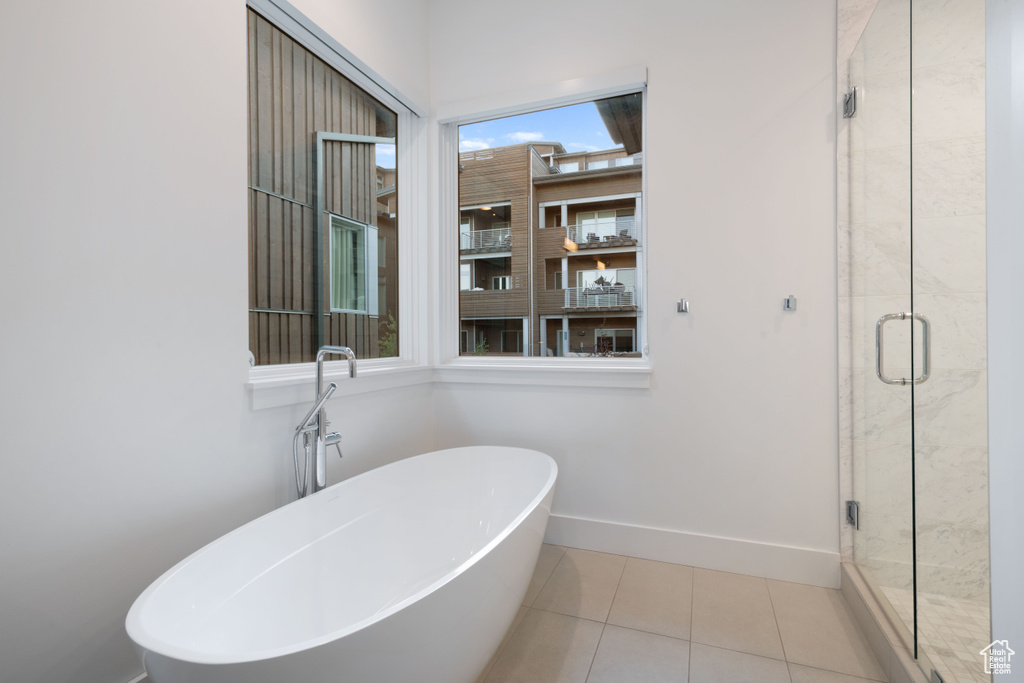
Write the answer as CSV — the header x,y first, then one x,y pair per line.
x,y
145,641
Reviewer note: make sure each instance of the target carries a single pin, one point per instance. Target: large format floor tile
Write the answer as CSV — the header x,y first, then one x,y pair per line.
x,y
715,665
628,656
548,648
818,630
654,597
582,585
806,674
734,612
591,617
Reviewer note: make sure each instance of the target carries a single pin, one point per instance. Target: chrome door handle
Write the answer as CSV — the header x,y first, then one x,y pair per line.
x,y
879,336
925,347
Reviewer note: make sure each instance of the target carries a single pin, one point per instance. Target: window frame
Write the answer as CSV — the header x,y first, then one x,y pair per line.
x,y
531,370
288,384
371,246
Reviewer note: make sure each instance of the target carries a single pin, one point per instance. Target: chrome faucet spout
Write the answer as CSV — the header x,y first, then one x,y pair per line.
x,y
319,426
339,351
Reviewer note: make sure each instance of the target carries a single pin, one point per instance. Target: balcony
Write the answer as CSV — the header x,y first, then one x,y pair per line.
x,y
485,241
603,233
600,298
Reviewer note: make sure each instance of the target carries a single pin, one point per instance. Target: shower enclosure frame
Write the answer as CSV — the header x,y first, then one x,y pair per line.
x,y
910,173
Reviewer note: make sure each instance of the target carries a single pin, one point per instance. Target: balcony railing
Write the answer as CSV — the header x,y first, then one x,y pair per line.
x,y
496,239
606,296
603,233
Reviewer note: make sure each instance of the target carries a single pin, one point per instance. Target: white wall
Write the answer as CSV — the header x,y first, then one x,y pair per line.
x,y
1005,170
127,438
736,438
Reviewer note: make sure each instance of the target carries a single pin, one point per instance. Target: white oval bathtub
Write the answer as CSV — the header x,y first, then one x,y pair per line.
x,y
410,572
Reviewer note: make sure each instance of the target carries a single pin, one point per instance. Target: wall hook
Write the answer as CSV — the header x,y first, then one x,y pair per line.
x,y
682,306
789,303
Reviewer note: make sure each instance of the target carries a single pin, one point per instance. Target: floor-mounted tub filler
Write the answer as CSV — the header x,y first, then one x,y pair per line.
x,y
410,572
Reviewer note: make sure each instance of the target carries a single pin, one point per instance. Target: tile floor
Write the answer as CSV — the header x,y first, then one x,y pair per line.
x,y
591,617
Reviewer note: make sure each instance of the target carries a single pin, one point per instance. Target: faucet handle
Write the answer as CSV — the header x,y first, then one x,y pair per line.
x,y
334,439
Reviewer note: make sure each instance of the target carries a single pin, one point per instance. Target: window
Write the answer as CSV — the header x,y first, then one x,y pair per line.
x,y
511,341
530,231
323,256
353,248
615,341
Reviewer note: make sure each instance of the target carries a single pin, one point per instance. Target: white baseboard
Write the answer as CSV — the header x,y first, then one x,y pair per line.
x,y
785,563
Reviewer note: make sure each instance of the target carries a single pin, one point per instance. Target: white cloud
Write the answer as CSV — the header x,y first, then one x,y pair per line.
x,y
579,146
472,145
525,136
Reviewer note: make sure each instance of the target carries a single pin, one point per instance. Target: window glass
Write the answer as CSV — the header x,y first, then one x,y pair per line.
x,y
330,278
352,247
555,257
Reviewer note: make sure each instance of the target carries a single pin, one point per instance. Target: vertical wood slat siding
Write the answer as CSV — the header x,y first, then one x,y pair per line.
x,y
293,94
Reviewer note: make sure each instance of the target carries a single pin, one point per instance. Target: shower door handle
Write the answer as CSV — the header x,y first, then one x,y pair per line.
x,y
879,354
926,347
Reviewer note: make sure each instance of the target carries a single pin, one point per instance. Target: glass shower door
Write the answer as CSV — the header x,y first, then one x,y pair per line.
x,y
914,314
948,284
879,298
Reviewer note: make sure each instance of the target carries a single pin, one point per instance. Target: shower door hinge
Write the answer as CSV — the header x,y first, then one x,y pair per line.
x,y
853,514
850,104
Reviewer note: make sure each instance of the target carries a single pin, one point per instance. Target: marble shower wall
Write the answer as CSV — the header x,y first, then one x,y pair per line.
x,y
945,192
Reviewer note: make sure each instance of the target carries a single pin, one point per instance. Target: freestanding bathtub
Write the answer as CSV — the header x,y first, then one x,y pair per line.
x,y
410,572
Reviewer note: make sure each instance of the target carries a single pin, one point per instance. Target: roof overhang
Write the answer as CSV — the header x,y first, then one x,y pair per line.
x,y
623,117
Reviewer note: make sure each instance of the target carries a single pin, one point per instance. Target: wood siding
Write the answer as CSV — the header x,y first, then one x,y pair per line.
x,y
493,176
292,95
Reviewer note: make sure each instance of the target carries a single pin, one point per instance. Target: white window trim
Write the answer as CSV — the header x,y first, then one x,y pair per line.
x,y
287,384
631,373
370,266
301,28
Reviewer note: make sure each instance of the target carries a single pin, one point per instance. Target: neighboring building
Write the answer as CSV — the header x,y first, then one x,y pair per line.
x,y
312,279
548,251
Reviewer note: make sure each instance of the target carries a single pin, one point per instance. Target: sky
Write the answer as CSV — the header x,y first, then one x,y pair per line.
x,y
577,127
385,156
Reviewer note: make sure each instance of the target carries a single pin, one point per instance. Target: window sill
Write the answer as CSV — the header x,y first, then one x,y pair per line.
x,y
597,373
281,385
